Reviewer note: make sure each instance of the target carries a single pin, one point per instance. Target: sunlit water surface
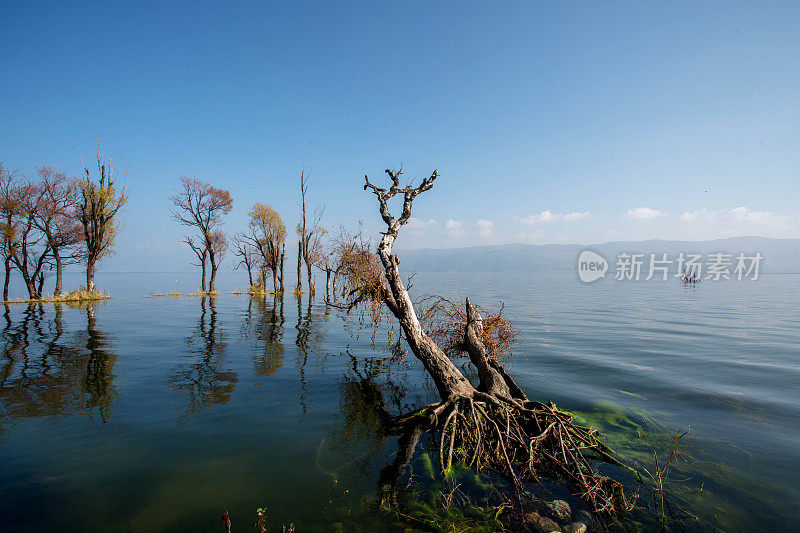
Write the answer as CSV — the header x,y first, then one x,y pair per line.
x,y
155,414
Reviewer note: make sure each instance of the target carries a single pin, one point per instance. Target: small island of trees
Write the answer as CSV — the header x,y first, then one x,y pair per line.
x,y
51,220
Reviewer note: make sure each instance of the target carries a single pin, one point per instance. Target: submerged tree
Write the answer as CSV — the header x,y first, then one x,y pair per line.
x,y
39,227
55,218
345,252
268,236
310,236
9,209
492,425
30,248
199,205
98,207
247,255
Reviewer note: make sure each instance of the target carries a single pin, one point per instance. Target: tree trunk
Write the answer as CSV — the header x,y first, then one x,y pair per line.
x,y
8,279
212,279
327,284
203,280
59,273
335,276
250,274
450,382
283,256
275,280
40,287
492,378
299,266
310,278
90,268
30,284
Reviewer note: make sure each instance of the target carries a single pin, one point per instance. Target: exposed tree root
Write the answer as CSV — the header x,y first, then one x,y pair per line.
x,y
521,443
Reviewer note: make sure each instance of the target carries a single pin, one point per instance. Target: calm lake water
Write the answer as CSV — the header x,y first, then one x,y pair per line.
x,y
155,414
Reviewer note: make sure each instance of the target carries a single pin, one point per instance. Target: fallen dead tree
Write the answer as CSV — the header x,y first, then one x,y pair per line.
x,y
489,426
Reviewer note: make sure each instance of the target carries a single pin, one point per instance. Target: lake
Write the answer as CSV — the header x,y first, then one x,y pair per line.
x,y
156,414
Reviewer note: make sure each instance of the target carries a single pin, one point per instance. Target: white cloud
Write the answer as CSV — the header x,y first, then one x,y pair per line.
x,y
484,227
571,217
544,216
745,214
415,223
454,228
697,215
643,213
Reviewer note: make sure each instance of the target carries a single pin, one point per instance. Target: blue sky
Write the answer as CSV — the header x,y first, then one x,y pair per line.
x,y
548,121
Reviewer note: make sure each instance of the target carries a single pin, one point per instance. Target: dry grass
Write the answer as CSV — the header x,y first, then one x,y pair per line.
x,y
162,294
258,290
202,294
76,296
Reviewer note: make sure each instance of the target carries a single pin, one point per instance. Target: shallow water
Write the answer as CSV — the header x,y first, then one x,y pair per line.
x,y
155,414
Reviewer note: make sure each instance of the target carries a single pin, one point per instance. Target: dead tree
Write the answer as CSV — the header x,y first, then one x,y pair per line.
x,y
202,256
310,237
493,425
283,257
326,264
301,230
246,254
299,287
99,204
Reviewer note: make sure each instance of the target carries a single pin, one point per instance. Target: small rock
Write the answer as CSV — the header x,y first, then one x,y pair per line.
x,y
575,527
559,509
541,524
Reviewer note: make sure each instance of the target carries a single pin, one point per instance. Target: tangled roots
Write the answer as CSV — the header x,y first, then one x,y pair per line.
x,y
524,443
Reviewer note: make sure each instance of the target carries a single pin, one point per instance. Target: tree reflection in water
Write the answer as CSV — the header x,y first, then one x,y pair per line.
x,y
204,381
266,325
310,335
45,373
370,396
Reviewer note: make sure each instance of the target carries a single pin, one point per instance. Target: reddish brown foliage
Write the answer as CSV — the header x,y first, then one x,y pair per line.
x,y
444,321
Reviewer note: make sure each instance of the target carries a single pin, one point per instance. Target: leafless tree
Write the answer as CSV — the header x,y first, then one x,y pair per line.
x,y
246,254
301,230
197,246
335,254
309,247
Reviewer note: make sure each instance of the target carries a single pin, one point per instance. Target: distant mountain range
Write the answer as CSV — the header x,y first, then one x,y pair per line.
x,y
779,255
